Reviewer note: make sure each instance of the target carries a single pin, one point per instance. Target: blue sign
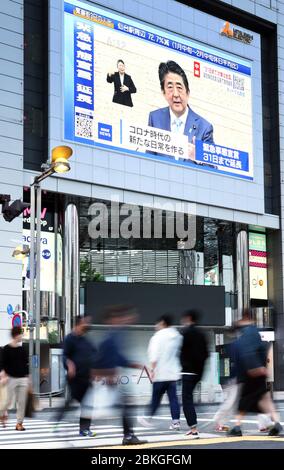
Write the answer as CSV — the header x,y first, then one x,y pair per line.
x,y
104,131
16,320
223,157
46,254
10,309
34,361
147,35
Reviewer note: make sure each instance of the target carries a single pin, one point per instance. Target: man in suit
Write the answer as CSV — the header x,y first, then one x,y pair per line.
x,y
123,85
178,117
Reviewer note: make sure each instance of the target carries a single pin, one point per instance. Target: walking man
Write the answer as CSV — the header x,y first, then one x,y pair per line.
x,y
79,356
193,355
163,352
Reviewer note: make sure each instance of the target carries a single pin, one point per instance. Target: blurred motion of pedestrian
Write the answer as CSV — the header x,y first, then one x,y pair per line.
x,y
231,388
252,367
78,358
15,372
164,356
111,358
194,353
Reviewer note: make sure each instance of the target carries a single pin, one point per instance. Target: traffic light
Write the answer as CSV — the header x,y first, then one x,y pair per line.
x,y
10,212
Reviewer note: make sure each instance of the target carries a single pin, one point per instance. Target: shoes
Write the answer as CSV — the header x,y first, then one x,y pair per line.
x,y
192,435
147,423
175,426
275,430
132,440
235,432
222,428
3,420
87,433
264,429
20,427
56,427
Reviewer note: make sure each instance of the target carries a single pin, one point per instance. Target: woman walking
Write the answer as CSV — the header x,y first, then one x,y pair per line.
x,y
15,367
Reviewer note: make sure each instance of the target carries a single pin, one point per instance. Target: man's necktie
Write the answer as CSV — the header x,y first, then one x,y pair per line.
x,y
177,123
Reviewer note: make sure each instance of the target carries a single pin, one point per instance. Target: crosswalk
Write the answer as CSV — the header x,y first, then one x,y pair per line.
x,y
45,433
42,434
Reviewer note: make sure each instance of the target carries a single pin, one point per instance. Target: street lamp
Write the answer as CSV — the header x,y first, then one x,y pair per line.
x,y
59,164
21,252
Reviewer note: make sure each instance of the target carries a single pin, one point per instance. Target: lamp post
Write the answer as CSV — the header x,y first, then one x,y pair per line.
x,y
59,164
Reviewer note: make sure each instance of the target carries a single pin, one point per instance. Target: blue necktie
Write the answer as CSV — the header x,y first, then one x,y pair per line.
x,y
178,123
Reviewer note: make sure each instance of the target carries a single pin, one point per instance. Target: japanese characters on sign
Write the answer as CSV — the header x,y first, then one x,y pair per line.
x,y
220,83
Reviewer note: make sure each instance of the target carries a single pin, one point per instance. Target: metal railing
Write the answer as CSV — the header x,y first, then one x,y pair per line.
x,y
50,395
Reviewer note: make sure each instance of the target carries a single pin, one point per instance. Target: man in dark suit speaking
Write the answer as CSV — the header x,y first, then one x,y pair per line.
x,y
123,85
178,117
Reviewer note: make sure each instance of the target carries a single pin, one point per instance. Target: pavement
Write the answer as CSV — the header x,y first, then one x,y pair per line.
x,y
42,432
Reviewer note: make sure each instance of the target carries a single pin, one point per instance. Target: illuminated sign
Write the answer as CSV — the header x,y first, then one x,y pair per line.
x,y
257,266
235,33
47,264
113,97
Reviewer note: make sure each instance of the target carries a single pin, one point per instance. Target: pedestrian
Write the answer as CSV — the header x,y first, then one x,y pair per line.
x,y
78,358
111,358
164,357
193,355
231,387
252,366
15,372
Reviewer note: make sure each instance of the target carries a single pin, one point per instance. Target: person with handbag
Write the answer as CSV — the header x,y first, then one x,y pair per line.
x,y
15,369
3,398
78,358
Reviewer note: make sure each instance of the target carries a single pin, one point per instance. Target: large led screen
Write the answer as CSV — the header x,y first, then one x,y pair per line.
x,y
134,88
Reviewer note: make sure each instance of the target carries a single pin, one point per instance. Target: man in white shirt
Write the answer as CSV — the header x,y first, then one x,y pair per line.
x,y
163,352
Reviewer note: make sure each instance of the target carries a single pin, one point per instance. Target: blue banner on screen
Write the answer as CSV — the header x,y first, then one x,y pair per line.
x,y
223,157
113,96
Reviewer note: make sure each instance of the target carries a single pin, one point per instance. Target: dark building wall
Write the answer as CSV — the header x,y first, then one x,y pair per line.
x,y
153,300
35,83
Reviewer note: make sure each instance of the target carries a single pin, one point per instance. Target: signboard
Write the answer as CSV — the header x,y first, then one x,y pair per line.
x,y
47,262
234,33
16,320
115,99
10,309
258,266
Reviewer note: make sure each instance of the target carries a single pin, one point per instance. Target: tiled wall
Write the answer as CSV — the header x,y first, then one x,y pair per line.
x,y
11,153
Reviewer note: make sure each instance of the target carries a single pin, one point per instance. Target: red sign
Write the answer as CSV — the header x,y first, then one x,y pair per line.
x,y
196,69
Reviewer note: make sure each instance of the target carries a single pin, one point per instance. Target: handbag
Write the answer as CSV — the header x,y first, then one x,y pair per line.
x,y
30,405
3,396
100,400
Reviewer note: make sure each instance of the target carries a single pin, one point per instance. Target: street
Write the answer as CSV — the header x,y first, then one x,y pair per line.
x,y
41,433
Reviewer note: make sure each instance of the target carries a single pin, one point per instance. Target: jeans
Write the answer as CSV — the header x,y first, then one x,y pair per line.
x,y
78,388
159,389
188,384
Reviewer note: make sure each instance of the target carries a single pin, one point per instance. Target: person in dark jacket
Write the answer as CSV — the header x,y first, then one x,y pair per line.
x,y
123,85
251,360
15,367
78,358
111,357
193,355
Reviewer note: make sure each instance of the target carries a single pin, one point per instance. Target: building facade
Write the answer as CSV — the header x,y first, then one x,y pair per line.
x,y
58,64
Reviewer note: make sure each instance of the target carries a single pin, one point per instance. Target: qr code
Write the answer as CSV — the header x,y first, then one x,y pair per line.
x,y
84,126
238,83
